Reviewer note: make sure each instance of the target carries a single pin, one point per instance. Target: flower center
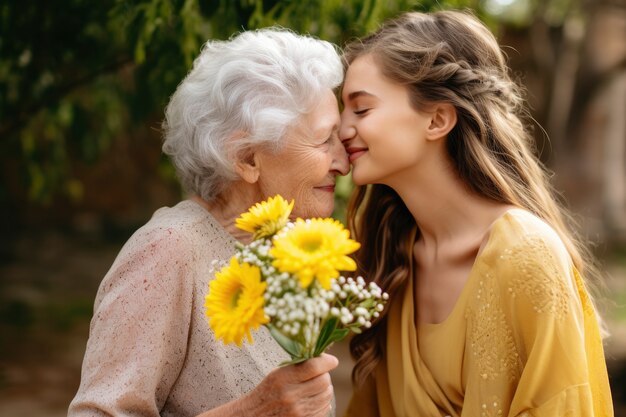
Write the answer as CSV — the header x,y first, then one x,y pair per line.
x,y
311,244
235,298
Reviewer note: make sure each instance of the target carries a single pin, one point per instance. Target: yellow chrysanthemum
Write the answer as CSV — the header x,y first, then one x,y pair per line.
x,y
234,304
314,249
266,218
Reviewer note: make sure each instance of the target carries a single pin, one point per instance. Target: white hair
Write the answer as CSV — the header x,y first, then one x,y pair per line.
x,y
243,93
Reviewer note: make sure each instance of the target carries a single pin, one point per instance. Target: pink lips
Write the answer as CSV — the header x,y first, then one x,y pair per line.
x,y
355,153
329,188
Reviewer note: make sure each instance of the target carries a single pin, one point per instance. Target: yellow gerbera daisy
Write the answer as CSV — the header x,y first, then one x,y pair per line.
x,y
266,218
314,249
234,304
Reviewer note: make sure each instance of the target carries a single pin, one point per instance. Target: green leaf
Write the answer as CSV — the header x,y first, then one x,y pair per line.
x,y
356,330
329,334
294,361
293,348
325,334
368,303
338,335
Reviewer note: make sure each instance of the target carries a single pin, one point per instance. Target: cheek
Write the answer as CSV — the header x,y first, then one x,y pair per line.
x,y
296,177
312,201
312,167
374,132
296,174
384,159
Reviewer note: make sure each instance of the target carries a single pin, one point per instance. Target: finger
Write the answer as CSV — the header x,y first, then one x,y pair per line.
x,y
312,387
319,384
319,404
326,403
316,366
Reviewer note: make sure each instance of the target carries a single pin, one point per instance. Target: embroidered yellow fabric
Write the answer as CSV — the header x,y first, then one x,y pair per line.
x,y
522,340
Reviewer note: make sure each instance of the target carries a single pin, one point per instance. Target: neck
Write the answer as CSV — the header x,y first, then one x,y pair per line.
x,y
447,212
227,210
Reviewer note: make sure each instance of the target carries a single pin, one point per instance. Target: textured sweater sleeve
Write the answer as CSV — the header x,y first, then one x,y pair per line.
x,y
139,331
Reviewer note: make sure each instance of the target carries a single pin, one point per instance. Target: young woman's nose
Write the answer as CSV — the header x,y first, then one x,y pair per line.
x,y
347,130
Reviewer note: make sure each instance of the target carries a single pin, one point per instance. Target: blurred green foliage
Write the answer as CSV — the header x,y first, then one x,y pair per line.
x,y
76,74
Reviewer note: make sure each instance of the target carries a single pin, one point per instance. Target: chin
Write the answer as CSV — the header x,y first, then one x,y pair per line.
x,y
326,211
362,177
320,210
359,179
322,206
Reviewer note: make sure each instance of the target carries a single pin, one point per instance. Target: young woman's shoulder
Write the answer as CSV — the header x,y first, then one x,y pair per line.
x,y
531,263
528,238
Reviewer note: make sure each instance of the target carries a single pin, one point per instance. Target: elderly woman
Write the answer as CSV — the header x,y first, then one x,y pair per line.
x,y
255,117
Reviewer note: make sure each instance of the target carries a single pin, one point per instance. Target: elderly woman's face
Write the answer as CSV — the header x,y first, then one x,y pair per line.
x,y
306,167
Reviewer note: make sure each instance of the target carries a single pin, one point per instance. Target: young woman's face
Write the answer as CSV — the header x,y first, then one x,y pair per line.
x,y
306,168
383,134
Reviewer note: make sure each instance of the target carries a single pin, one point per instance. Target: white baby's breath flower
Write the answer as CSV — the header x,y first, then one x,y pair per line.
x,y
361,311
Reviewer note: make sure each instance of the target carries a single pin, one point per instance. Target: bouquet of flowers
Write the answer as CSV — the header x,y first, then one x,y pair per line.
x,y
288,279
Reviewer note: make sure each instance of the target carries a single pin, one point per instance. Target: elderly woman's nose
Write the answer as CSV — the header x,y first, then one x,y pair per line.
x,y
340,158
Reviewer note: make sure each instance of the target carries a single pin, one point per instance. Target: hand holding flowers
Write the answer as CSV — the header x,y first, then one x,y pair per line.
x,y
288,279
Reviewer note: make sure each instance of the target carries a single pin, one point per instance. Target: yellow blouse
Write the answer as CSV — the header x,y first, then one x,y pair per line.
x,y
522,340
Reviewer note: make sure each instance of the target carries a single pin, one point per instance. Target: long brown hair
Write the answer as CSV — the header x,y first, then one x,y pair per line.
x,y
448,56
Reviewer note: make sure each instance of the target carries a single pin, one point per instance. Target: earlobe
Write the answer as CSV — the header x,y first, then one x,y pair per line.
x,y
443,120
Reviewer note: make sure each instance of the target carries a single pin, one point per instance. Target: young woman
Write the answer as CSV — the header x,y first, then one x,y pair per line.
x,y
489,315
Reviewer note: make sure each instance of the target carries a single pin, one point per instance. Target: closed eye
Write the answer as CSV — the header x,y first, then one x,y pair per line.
x,y
331,137
361,112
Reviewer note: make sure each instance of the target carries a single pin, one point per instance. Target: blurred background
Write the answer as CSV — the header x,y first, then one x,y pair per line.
x,y
82,89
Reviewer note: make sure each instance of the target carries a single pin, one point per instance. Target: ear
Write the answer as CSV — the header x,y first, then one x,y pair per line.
x,y
247,166
245,160
443,119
